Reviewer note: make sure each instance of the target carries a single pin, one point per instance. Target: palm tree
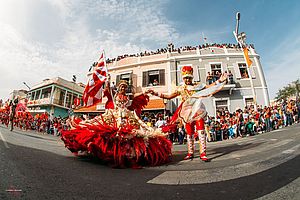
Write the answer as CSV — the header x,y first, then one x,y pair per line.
x,y
288,91
297,88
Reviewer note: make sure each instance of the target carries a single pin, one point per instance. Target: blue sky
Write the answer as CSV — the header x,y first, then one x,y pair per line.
x,y
48,38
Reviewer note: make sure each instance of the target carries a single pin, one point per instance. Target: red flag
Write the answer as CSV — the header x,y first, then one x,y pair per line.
x,y
93,90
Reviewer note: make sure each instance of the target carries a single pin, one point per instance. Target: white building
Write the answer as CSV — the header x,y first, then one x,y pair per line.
x,y
140,72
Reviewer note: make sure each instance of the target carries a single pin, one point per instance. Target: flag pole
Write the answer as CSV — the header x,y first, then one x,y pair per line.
x,y
108,79
242,45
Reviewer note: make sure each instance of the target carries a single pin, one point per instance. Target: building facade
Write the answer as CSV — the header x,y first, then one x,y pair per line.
x,y
162,72
55,96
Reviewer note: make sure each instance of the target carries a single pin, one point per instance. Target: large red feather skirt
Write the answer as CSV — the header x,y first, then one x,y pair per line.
x,y
126,145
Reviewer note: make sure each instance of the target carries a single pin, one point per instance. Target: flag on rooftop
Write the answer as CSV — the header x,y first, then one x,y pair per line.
x,y
246,53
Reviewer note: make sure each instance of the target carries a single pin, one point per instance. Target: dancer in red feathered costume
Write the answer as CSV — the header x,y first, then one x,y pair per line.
x,y
119,137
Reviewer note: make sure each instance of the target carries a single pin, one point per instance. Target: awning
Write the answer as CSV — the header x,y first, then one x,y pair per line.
x,y
89,109
155,104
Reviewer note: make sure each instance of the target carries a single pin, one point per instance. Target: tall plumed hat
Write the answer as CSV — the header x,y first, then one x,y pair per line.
x,y
122,82
187,71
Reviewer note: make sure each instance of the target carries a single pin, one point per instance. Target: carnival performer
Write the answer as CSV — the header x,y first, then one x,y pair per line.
x,y
13,105
192,110
119,137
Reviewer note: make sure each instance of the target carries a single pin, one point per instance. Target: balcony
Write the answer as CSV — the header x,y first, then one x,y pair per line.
x,y
44,101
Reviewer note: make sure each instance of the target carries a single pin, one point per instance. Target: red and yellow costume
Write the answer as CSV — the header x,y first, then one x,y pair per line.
x,y
192,110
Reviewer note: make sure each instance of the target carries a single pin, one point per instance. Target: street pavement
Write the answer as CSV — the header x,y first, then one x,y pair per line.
x,y
265,166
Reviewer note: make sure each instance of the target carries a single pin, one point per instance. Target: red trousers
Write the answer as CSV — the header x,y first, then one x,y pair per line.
x,y
190,127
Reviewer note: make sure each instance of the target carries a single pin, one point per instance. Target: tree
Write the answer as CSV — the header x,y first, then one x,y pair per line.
x,y
293,89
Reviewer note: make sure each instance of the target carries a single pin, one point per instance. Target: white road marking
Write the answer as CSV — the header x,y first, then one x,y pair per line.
x,y
4,141
278,130
291,150
222,174
13,190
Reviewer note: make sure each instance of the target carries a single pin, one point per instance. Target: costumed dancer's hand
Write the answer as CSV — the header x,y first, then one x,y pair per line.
x,y
223,77
151,91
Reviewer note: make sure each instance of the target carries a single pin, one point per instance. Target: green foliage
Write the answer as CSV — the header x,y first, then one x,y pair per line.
x,y
293,89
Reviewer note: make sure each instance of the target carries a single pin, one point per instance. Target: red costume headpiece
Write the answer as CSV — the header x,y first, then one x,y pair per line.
x,y
187,71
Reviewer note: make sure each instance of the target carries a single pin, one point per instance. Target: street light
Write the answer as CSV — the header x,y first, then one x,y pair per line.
x,y
238,17
26,85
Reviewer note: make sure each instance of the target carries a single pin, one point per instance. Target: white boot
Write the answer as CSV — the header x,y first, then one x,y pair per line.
x,y
190,144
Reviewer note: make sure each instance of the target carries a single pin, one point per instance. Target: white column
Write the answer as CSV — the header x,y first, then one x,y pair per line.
x,y
52,95
65,98
262,79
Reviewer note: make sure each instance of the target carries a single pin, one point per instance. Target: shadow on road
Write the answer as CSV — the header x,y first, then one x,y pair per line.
x,y
41,175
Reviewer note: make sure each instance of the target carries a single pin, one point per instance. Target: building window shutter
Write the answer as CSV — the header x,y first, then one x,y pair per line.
x,y
252,72
162,75
145,79
118,79
237,70
130,79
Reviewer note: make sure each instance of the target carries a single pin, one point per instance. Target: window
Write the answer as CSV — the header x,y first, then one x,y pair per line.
x,y
221,105
216,68
243,70
154,78
32,96
127,77
68,100
46,92
216,71
249,101
37,95
61,96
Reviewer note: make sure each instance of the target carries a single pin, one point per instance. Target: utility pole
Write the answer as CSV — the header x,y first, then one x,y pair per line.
x,y
26,85
241,40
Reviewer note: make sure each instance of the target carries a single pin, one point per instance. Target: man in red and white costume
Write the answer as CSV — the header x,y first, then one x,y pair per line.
x,y
193,127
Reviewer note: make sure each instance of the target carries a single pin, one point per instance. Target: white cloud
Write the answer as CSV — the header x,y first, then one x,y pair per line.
x,y
48,38
283,67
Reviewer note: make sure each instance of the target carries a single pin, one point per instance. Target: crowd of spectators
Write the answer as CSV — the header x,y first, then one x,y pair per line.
x,y
240,123
171,48
225,125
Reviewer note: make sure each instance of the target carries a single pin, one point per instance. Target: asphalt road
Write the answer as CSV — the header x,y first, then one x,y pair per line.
x,y
266,166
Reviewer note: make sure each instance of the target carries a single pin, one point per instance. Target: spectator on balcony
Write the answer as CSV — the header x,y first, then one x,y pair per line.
x,y
230,77
209,78
218,75
213,75
245,74
155,82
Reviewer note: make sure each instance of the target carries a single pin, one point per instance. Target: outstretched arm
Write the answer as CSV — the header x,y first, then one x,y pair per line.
x,y
141,93
163,96
222,79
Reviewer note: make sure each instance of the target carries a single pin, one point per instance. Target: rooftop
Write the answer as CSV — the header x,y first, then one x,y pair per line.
x,y
78,87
